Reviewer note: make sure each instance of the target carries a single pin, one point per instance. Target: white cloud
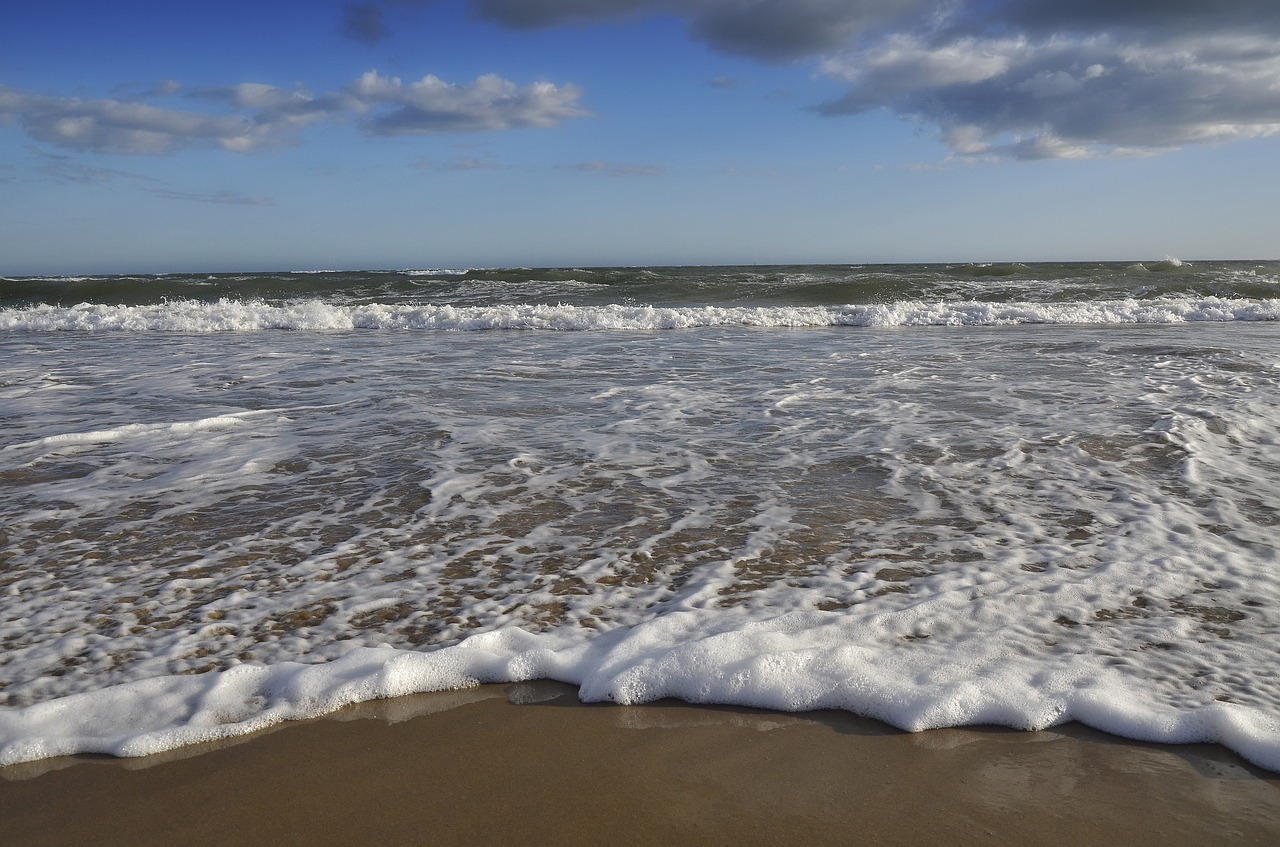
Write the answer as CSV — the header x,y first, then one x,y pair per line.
x,y
1067,97
906,62
432,105
253,116
119,126
1050,84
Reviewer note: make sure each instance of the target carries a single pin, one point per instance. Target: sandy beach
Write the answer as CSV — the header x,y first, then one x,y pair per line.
x,y
528,764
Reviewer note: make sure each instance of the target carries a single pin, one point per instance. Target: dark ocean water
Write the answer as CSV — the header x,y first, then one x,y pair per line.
x,y
793,285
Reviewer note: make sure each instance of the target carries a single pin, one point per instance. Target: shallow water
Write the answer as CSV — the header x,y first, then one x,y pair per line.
x,y
930,525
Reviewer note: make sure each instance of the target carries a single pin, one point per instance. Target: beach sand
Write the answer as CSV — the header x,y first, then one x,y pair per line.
x,y
528,764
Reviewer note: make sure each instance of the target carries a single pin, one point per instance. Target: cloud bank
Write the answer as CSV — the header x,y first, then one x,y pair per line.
x,y
1023,79
1067,97
252,116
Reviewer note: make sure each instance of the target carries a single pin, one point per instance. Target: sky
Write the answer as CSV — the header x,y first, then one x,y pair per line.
x,y
308,134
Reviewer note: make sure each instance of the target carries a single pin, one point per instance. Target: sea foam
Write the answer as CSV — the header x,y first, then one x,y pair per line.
x,y
794,662
249,315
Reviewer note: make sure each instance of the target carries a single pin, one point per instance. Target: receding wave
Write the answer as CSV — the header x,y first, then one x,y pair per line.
x,y
248,316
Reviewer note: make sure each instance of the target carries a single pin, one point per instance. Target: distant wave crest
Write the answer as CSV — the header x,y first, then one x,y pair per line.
x,y
249,315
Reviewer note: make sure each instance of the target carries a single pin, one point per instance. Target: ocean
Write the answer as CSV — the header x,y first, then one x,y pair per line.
x,y
936,495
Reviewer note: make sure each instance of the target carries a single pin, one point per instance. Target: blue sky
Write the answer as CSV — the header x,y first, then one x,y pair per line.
x,y
153,137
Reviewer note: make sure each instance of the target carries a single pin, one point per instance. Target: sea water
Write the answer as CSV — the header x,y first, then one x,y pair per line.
x,y
937,496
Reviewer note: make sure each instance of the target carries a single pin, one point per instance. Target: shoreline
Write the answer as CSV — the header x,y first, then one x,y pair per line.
x,y
527,763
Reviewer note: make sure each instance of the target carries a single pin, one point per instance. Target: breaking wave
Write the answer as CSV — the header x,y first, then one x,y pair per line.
x,y
228,315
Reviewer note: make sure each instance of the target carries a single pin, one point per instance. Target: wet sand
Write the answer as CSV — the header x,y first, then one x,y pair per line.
x,y
528,764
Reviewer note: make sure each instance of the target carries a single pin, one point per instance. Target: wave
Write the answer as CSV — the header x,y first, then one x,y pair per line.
x,y
248,316
796,662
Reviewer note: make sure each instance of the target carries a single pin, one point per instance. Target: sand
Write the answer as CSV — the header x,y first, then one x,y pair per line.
x,y
528,764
